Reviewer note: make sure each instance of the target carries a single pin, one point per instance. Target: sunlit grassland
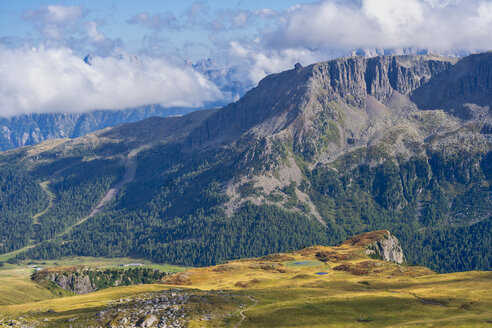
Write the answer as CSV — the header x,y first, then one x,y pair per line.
x,y
454,300
291,293
286,290
16,286
87,302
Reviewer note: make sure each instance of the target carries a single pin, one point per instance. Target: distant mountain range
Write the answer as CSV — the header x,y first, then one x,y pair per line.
x,y
225,78
310,156
30,129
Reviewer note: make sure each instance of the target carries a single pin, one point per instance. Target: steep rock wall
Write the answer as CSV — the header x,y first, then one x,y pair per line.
x,y
380,244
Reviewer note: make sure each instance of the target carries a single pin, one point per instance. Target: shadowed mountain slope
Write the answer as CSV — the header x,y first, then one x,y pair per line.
x,y
309,156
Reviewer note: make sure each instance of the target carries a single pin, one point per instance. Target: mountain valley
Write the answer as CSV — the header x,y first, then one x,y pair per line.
x,y
309,156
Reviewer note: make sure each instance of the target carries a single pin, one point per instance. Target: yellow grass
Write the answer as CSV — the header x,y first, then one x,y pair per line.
x,y
16,287
76,302
284,290
388,295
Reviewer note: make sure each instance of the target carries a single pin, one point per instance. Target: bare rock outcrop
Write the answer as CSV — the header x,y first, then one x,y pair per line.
x,y
78,284
280,99
147,321
380,244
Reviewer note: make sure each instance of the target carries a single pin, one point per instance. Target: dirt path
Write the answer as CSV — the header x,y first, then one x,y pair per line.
x,y
35,222
130,170
51,198
241,313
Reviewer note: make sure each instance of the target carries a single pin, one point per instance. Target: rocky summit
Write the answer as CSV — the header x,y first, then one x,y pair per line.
x,y
310,156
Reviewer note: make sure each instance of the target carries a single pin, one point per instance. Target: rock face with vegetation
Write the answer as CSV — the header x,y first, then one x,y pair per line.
x,y
80,280
76,283
380,244
310,156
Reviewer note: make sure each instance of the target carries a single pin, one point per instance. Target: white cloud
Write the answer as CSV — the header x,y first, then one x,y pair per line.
x,y
266,13
94,34
441,25
241,18
55,14
442,3
394,15
69,26
54,20
55,80
253,64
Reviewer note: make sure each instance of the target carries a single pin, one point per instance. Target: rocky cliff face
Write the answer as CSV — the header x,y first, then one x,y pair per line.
x,y
78,284
389,248
380,244
81,280
464,90
280,99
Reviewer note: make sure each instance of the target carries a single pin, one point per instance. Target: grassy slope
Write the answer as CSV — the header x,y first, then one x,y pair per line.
x,y
285,291
293,295
456,300
87,302
16,287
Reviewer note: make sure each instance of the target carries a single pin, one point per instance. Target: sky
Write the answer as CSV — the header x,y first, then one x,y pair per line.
x,y
142,51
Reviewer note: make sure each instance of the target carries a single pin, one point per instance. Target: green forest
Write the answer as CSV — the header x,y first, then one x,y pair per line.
x,y
438,206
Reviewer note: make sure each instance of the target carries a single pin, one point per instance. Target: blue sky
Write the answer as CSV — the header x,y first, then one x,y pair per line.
x,y
190,39
143,50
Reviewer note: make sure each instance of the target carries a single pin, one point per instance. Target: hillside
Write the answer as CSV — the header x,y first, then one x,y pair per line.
x,y
31,129
310,156
319,286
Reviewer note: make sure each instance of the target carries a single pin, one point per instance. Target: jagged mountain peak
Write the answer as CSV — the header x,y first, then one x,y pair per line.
x,y
294,97
88,59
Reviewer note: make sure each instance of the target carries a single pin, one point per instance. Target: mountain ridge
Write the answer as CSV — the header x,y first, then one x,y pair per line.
x,y
30,129
310,155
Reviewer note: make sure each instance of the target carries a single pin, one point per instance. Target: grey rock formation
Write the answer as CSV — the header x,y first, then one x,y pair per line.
x,y
286,98
467,82
388,248
380,244
147,321
78,284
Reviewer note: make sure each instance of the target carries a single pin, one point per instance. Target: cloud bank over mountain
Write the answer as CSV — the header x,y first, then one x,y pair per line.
x,y
246,42
55,80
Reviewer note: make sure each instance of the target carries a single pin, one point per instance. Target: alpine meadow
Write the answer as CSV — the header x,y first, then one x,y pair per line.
x,y
353,190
